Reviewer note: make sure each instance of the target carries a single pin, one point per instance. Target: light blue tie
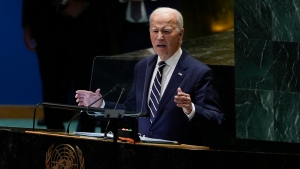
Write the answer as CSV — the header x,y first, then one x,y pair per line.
x,y
155,91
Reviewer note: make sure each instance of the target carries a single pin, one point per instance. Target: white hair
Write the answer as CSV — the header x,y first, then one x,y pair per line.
x,y
169,10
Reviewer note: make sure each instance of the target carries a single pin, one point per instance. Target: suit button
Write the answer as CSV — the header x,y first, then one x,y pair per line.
x,y
151,133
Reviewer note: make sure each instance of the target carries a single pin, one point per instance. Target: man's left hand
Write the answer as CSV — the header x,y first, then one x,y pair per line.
x,y
183,100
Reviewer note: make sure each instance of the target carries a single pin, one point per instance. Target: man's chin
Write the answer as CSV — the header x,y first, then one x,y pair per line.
x,y
160,51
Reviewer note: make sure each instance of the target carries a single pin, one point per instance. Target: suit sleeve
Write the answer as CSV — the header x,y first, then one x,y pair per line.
x,y
207,108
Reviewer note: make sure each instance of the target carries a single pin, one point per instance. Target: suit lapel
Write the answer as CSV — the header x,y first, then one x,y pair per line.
x,y
149,71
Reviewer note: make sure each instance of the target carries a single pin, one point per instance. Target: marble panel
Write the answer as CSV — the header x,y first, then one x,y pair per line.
x,y
286,16
287,112
252,19
267,69
254,114
286,66
254,63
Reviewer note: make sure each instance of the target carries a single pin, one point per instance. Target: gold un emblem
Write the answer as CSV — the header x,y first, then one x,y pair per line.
x,y
64,156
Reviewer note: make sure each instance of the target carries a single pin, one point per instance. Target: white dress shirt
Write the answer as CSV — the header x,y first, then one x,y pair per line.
x,y
167,73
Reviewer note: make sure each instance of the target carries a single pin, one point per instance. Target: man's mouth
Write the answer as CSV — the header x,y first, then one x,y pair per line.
x,y
161,46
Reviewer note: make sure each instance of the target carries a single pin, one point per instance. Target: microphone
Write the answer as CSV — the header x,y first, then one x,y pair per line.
x,y
116,87
105,131
119,97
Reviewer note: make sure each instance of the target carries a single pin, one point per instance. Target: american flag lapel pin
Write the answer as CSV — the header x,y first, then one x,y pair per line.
x,y
180,74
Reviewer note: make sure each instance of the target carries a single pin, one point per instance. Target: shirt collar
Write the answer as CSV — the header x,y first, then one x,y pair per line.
x,y
172,61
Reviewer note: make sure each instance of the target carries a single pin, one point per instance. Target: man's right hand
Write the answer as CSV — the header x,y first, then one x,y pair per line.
x,y
85,98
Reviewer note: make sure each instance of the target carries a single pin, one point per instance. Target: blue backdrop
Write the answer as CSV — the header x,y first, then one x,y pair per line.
x,y
20,79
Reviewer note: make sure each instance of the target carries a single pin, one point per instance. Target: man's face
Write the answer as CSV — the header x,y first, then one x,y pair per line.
x,y
164,34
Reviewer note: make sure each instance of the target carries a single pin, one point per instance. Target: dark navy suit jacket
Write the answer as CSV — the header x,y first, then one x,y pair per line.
x,y
171,123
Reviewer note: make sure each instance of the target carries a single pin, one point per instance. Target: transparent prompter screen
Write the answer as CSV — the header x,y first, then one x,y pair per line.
x,y
107,71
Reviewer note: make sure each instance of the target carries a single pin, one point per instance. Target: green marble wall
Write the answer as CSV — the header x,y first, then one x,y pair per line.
x,y
267,77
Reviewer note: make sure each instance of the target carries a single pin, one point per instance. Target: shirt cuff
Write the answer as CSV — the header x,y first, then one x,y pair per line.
x,y
103,104
192,114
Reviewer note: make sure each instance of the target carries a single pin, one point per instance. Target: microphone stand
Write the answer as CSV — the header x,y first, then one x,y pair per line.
x,y
75,116
34,114
79,113
114,121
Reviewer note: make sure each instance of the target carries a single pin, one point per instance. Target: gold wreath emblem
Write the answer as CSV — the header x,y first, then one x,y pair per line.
x,y
64,156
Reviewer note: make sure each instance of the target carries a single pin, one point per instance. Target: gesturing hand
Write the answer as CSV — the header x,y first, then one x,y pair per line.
x,y
183,100
85,98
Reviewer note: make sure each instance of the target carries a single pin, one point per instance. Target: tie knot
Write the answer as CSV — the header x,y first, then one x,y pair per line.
x,y
161,64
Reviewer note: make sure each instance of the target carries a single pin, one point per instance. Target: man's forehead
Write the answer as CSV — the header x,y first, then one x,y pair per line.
x,y
169,23
162,27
